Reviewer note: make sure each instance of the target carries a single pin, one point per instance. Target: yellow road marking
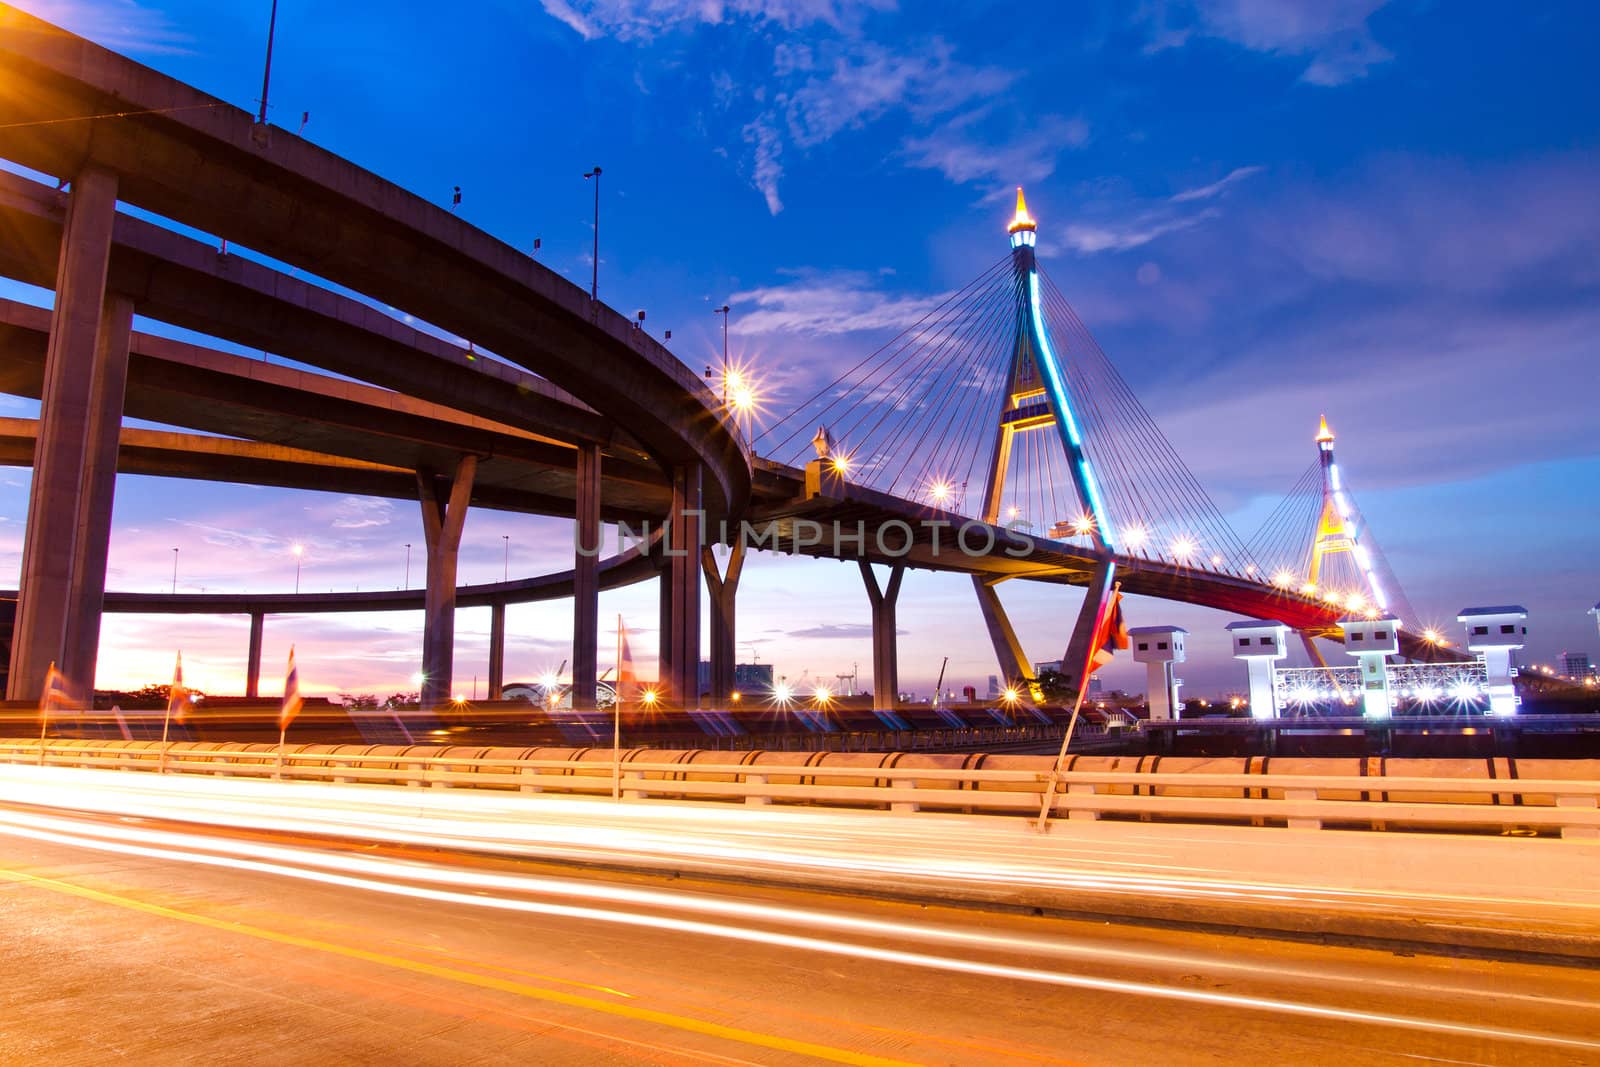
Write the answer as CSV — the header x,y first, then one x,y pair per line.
x,y
483,981
513,970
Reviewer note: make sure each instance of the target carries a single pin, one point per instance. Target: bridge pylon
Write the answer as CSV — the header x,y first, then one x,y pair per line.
x,y
1037,399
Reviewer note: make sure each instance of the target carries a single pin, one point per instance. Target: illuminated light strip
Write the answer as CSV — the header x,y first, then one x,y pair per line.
x,y
1058,392
1362,558
915,959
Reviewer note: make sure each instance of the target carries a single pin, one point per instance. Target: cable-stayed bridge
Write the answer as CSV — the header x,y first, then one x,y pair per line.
x,y
993,438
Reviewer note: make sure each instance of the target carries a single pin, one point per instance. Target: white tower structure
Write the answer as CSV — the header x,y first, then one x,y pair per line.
x,y
1494,633
1159,647
1372,642
1338,530
1260,645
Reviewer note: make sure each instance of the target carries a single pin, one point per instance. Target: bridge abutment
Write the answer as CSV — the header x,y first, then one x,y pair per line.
x,y
69,506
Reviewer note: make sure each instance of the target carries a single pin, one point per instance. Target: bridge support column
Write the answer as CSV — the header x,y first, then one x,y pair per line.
x,y
586,579
444,512
103,436
724,590
252,670
1312,651
680,609
885,643
497,651
1074,665
81,402
1014,666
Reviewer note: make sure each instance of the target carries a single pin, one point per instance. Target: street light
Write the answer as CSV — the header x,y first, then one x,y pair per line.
x,y
594,277
506,575
299,551
723,311
174,572
408,566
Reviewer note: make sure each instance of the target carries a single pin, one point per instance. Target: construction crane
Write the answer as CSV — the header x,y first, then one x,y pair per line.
x,y
938,687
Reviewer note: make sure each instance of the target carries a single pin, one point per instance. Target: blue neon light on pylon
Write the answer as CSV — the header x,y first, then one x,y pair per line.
x,y
1058,394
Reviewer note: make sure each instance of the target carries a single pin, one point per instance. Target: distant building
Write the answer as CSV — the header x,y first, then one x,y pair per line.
x,y
1576,665
747,677
994,687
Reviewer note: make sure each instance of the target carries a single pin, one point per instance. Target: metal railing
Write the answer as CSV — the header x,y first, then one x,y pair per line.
x,y
1343,797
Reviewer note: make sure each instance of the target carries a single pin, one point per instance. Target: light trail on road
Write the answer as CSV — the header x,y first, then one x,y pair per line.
x,y
391,877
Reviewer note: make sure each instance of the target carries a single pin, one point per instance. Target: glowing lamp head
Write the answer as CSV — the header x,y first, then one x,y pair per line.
x,y
821,694
1022,225
1010,696
649,697
1134,536
1022,220
742,399
841,464
735,696
1183,549
1083,524
782,693
940,492
298,550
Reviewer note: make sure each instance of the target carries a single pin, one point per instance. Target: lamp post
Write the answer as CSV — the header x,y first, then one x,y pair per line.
x,y
299,552
594,276
408,566
174,571
506,574
723,311
266,75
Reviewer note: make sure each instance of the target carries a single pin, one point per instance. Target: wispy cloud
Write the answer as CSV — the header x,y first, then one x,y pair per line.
x,y
1216,188
965,152
1333,33
644,19
122,25
824,304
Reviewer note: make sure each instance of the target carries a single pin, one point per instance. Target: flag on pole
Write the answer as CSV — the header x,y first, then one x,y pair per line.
x,y
178,703
1110,634
627,675
55,696
291,695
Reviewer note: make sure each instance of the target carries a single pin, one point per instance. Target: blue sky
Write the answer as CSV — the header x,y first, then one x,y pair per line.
x,y
1384,211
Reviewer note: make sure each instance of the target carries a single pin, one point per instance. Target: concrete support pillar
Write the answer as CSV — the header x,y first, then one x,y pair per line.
x,y
252,670
1074,665
497,651
444,512
586,579
102,438
885,646
1014,666
75,380
680,636
724,589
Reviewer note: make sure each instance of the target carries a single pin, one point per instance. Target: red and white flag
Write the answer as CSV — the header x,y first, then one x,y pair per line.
x,y
1110,634
178,703
627,674
292,702
55,697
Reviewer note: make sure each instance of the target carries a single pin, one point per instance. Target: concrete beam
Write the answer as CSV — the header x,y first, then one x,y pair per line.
x,y
1074,664
1008,651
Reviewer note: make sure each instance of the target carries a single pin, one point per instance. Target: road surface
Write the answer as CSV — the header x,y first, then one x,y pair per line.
x,y
146,941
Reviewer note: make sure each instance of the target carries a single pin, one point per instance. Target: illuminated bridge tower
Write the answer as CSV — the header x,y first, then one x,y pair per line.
x,y
1338,531
1037,400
